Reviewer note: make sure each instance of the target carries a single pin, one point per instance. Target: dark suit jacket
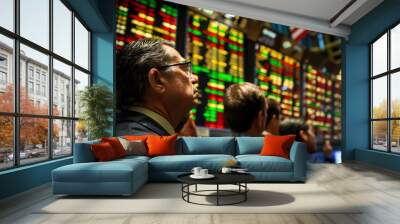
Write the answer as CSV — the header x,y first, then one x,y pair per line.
x,y
135,123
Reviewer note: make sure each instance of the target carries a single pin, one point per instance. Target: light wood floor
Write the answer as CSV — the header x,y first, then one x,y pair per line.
x,y
377,188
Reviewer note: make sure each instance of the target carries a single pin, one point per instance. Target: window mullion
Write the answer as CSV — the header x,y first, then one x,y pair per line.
x,y
50,81
371,89
16,84
389,106
73,83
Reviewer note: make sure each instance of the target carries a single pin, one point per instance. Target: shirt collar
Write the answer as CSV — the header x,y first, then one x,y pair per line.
x,y
164,123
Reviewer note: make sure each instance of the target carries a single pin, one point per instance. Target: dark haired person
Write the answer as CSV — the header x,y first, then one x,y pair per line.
x,y
273,118
188,128
304,132
244,109
155,88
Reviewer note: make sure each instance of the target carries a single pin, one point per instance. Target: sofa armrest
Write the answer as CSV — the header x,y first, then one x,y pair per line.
x,y
298,157
83,152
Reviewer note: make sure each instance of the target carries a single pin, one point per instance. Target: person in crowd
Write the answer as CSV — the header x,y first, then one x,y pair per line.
x,y
187,128
155,88
244,109
328,149
304,132
272,120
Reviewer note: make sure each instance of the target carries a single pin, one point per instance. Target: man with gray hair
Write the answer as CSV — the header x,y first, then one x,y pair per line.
x,y
155,88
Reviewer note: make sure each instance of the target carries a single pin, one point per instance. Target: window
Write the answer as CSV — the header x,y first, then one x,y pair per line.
x,y
38,89
30,72
55,126
3,72
35,22
7,14
37,74
62,74
385,96
3,78
62,30
44,91
3,61
81,45
30,87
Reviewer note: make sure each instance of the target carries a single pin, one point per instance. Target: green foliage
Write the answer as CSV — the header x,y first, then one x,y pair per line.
x,y
96,103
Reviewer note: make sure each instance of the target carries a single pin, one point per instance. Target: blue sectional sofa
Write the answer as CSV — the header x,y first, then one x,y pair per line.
x,y
125,176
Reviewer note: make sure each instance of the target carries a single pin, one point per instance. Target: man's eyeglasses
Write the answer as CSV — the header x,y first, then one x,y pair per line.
x,y
186,66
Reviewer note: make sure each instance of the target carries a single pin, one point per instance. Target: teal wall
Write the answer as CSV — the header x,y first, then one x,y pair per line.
x,y
356,85
99,16
24,178
103,56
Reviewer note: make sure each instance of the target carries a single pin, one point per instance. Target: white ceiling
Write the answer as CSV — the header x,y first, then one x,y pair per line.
x,y
315,15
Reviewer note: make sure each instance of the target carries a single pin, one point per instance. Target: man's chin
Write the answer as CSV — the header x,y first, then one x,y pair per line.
x,y
196,98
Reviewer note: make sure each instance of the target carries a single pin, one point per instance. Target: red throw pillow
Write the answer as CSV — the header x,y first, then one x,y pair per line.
x,y
275,145
116,145
161,145
103,152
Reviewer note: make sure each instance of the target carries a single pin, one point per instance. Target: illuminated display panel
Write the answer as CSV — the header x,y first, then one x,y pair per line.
x,y
291,88
318,100
216,51
337,114
327,110
279,77
137,19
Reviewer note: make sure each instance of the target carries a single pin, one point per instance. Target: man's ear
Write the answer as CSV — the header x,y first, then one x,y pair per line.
x,y
155,81
303,135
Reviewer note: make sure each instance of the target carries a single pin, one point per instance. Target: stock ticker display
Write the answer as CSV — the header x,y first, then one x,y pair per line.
x,y
318,99
216,51
137,19
279,77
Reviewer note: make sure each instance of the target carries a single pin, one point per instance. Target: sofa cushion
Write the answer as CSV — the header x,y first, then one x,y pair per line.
x,y
116,145
135,137
103,152
118,177
185,163
257,163
134,147
249,145
206,145
83,152
131,158
98,171
161,145
277,145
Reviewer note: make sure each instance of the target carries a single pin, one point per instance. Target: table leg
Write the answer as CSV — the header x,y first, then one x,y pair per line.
x,y
245,193
217,194
188,192
196,188
182,190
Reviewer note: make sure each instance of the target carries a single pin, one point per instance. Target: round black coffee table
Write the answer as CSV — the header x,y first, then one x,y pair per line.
x,y
238,179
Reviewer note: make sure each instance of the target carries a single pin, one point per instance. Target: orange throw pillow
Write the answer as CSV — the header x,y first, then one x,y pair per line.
x,y
103,152
275,145
135,137
161,145
116,145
